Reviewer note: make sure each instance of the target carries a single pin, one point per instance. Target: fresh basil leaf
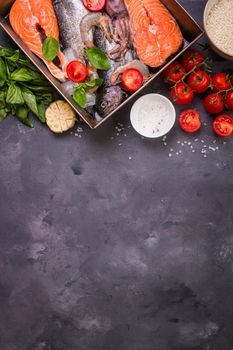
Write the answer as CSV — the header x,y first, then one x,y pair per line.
x,y
98,58
3,113
14,95
22,114
50,48
41,112
39,89
2,96
3,72
25,74
6,51
80,97
89,84
14,58
94,83
24,61
30,101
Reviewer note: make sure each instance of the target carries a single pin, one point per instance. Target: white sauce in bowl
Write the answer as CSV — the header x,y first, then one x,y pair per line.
x,y
152,115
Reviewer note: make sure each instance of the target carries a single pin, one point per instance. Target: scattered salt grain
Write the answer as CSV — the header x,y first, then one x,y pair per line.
x,y
130,158
189,143
195,140
170,155
165,143
193,151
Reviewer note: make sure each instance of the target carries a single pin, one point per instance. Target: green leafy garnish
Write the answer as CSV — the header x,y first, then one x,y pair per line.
x,y
22,114
14,95
80,90
80,97
3,72
22,88
50,48
98,59
25,74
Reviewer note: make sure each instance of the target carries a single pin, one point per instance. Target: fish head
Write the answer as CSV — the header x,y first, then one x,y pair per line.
x,y
109,99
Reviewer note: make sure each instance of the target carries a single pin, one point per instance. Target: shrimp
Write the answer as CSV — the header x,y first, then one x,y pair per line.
x,y
94,20
136,64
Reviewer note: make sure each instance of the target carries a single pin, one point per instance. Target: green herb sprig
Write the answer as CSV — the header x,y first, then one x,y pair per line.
x,y
22,88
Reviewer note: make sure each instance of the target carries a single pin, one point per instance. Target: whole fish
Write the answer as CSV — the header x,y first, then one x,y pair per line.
x,y
69,14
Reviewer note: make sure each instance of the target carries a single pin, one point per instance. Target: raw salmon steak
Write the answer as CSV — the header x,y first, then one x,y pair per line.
x,y
156,33
33,21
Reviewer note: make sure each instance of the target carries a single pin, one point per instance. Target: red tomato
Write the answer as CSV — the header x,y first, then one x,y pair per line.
x,y
191,59
76,71
173,73
132,79
189,120
223,125
221,82
214,103
199,81
94,5
229,100
181,94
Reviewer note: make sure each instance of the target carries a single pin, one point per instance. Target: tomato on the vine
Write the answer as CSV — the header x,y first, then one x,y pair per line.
x,y
221,82
229,100
214,103
190,120
199,81
181,94
223,125
173,73
191,59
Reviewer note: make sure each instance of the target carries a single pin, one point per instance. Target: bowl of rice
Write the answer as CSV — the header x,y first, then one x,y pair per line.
x,y
218,24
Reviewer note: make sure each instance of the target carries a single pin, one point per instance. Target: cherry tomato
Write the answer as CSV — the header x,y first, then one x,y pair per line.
x,y
199,81
94,5
189,120
191,59
223,125
132,79
221,82
214,103
76,71
229,100
181,94
173,73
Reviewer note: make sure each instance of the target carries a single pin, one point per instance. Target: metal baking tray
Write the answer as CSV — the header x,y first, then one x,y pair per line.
x,y
190,29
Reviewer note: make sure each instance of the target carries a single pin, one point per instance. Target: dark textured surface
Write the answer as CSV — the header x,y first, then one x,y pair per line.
x,y
107,243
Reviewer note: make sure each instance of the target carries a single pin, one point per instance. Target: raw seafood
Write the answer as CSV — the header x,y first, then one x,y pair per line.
x,y
69,15
101,42
34,20
108,100
121,28
156,33
90,21
136,64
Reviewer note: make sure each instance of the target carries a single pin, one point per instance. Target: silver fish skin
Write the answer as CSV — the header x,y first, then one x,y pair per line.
x,y
69,14
108,99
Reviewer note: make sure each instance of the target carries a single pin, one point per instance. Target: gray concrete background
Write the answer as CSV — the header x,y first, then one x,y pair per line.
x,y
107,243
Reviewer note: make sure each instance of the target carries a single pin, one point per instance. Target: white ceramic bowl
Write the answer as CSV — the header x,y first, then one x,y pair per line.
x,y
153,115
